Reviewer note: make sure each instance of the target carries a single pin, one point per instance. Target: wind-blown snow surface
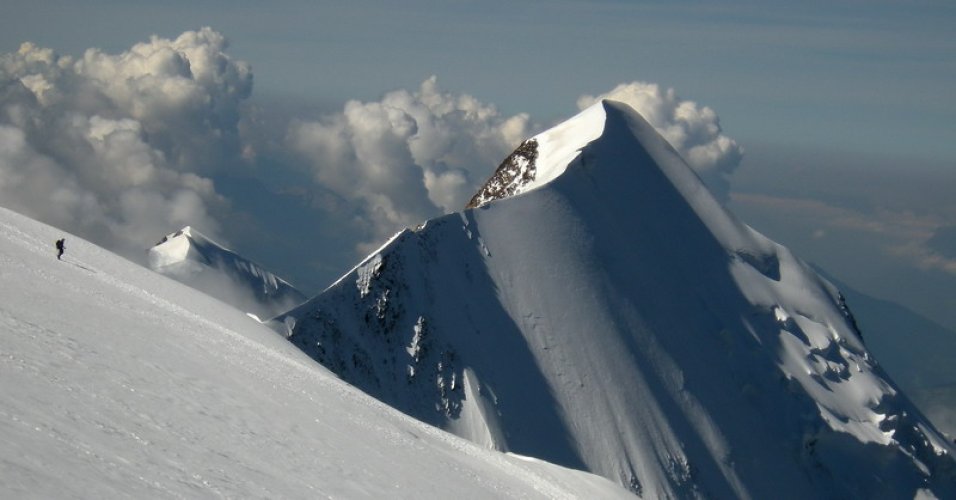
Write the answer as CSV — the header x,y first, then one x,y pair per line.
x,y
116,382
191,258
615,318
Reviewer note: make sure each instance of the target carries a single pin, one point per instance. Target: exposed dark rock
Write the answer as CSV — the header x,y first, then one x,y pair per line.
x,y
517,170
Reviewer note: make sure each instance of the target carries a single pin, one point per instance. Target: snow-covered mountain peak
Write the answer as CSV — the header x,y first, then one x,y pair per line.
x,y
176,247
196,260
173,248
615,317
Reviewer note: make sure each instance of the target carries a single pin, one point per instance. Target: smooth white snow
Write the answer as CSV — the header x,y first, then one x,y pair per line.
x,y
116,382
561,145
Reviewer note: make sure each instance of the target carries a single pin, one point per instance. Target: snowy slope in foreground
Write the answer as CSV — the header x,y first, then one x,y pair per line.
x,y
191,258
116,382
614,317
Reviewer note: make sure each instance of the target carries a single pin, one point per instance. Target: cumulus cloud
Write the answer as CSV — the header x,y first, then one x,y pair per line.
x,y
123,148
409,156
119,148
694,131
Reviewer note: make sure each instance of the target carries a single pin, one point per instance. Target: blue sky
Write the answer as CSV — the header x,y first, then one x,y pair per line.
x,y
863,92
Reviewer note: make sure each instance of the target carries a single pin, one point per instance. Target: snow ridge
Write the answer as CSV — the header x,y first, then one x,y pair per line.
x,y
610,315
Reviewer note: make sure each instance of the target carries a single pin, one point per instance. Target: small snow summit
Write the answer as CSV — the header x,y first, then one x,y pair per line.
x,y
191,258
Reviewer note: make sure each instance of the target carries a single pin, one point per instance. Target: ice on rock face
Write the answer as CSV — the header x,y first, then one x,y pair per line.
x,y
599,309
366,272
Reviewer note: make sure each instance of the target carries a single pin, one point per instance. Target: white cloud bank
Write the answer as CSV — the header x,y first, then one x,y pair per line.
x,y
409,156
118,148
694,131
122,148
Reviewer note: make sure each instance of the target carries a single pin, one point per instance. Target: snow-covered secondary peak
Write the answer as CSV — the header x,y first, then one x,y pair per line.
x,y
182,245
616,318
176,247
196,260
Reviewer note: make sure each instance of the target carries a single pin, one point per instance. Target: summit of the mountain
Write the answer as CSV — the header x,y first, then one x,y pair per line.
x,y
194,259
601,310
544,157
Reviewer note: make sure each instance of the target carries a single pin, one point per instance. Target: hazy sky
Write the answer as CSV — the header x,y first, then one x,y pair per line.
x,y
846,112
868,75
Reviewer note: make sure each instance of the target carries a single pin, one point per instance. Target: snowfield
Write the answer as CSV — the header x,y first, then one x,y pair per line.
x,y
116,382
599,309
